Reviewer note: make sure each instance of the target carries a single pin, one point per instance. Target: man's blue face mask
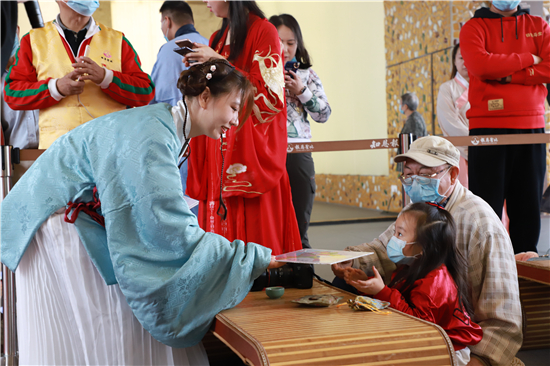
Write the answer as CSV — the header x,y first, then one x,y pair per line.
x,y
83,7
423,189
506,5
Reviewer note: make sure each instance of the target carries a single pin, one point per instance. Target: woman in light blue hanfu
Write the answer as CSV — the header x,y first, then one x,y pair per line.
x,y
134,275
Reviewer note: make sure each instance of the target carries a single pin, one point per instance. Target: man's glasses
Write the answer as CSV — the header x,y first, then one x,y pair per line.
x,y
423,179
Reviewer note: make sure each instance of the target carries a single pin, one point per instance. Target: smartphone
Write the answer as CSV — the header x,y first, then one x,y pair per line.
x,y
292,65
185,43
183,51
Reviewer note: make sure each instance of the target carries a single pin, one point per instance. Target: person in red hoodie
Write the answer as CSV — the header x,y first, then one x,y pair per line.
x,y
507,53
431,278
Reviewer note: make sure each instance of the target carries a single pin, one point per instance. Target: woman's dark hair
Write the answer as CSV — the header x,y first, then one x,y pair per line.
x,y
237,21
302,56
436,234
223,79
453,57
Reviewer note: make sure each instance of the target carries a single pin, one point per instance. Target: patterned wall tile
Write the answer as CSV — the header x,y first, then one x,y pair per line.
x,y
415,28
462,11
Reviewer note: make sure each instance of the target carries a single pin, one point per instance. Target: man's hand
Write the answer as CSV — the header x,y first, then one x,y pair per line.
x,y
274,264
88,66
524,256
339,268
537,59
474,361
354,274
68,84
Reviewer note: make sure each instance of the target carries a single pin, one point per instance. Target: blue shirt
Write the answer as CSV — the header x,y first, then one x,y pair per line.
x,y
169,66
165,75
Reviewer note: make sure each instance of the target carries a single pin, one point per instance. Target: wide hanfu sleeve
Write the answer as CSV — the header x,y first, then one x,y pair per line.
x,y
175,277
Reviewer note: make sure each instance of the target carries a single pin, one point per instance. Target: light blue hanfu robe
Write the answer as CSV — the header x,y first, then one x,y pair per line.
x,y
175,276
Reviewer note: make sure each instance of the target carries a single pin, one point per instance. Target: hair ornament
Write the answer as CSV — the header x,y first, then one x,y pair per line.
x,y
436,205
209,76
213,68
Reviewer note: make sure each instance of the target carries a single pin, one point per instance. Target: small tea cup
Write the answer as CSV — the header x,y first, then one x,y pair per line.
x,y
275,292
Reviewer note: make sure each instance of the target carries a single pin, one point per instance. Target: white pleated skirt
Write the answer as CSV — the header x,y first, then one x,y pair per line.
x,y
67,315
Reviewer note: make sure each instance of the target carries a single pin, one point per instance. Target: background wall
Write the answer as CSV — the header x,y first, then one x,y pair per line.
x,y
367,53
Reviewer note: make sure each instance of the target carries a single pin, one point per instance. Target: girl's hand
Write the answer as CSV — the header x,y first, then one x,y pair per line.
x,y
202,53
293,85
354,274
369,287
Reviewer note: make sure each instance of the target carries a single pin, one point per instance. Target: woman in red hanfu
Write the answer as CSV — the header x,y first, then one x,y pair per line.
x,y
255,204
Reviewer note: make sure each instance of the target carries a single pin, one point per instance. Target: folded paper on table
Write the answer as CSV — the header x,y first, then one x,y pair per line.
x,y
319,256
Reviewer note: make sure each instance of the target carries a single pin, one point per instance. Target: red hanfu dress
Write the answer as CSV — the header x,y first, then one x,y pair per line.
x,y
256,189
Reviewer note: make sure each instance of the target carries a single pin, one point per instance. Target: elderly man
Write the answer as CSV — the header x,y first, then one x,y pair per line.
x,y
54,74
480,236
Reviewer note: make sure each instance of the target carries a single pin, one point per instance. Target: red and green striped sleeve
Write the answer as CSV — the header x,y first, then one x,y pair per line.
x,y
131,86
22,90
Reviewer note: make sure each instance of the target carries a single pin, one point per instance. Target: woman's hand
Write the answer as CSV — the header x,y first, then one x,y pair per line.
x,y
202,54
371,286
293,84
274,264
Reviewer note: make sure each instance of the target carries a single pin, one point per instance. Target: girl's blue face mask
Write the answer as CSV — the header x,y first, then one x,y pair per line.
x,y
395,251
506,5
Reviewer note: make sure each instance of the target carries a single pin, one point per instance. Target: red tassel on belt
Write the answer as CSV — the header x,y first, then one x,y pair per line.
x,y
88,208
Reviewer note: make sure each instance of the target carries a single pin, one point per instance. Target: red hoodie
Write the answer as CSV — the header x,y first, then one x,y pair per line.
x,y
494,47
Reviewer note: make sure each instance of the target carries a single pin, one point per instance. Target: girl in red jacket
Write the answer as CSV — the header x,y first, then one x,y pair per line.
x,y
430,281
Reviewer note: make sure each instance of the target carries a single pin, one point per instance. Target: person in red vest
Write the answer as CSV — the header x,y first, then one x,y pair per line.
x,y
74,70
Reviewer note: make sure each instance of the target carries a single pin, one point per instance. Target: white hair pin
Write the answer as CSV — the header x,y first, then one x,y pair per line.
x,y
208,76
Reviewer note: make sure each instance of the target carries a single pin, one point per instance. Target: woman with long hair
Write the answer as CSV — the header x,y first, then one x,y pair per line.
x,y
304,96
241,181
431,278
452,105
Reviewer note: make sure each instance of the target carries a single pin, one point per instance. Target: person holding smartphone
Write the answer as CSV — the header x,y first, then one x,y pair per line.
x,y
177,27
251,198
304,95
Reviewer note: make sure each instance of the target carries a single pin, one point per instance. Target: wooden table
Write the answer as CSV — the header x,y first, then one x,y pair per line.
x,y
262,331
534,290
538,271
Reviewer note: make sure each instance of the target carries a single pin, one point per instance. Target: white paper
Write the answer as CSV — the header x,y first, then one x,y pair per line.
x,y
319,256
